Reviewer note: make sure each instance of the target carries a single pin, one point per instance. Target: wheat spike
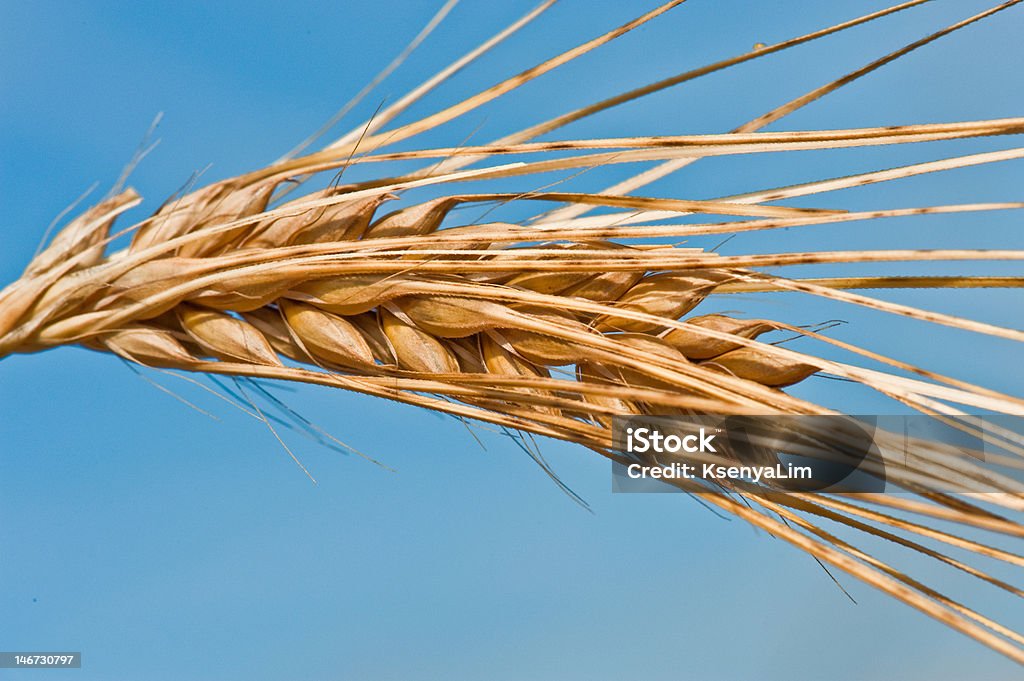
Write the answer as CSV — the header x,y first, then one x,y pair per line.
x,y
551,327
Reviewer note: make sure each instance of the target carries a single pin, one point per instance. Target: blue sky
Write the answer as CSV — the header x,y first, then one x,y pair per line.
x,y
164,544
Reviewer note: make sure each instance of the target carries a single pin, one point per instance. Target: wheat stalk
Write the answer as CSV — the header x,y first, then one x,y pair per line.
x,y
551,327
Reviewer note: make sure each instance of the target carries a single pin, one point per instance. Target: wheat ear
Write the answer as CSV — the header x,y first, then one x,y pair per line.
x,y
553,327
